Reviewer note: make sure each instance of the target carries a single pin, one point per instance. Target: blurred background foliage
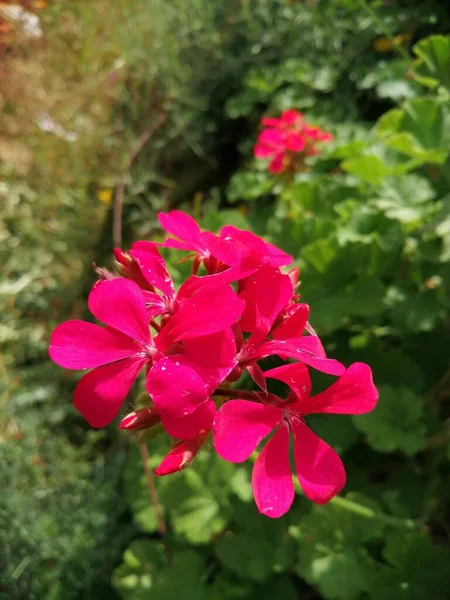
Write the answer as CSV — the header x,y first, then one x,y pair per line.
x,y
156,105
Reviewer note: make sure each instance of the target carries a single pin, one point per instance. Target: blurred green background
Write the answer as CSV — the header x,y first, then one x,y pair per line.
x,y
158,103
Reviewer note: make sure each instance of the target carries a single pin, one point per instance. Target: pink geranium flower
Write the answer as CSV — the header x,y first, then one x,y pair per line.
x,y
240,425
234,253
285,137
267,294
118,352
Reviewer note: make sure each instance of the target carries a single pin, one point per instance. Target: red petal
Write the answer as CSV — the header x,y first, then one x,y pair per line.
x,y
300,349
81,345
266,294
213,356
273,488
120,304
240,425
352,394
212,309
181,225
296,376
189,426
294,325
99,394
181,455
175,387
319,469
153,266
257,374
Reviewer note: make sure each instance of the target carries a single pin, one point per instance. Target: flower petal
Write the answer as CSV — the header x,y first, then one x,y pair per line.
x,y
240,425
296,376
293,325
181,455
99,394
175,387
266,294
189,426
273,488
82,345
319,468
120,304
182,226
352,394
153,266
212,309
300,349
213,356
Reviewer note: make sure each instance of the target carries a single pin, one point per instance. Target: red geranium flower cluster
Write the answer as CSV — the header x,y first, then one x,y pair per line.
x,y
194,342
287,140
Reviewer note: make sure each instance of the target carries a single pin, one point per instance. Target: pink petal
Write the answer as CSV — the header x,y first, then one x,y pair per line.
x,y
153,266
271,121
257,374
296,376
301,349
266,294
175,387
240,425
319,469
81,345
352,394
155,304
273,488
293,326
212,309
276,257
296,142
99,394
291,117
180,225
189,426
277,163
181,455
214,356
269,142
120,304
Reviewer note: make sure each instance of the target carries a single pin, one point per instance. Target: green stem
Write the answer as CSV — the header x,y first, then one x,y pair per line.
x,y
399,48
369,513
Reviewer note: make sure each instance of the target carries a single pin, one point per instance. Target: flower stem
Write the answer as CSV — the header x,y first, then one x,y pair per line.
x,y
366,512
232,393
152,491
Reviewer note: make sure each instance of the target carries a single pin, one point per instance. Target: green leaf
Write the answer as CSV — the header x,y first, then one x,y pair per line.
x,y
197,499
257,547
412,310
432,67
248,185
396,423
418,130
406,199
361,298
332,557
136,576
368,168
418,569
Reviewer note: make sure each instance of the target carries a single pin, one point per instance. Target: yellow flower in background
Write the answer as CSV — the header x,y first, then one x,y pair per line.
x,y
40,4
105,195
384,44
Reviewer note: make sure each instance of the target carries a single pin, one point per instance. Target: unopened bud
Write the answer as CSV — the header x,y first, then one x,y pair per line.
x,y
140,419
181,455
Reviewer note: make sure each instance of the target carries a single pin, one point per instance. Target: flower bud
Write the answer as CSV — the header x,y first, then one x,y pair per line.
x,y
181,455
140,419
